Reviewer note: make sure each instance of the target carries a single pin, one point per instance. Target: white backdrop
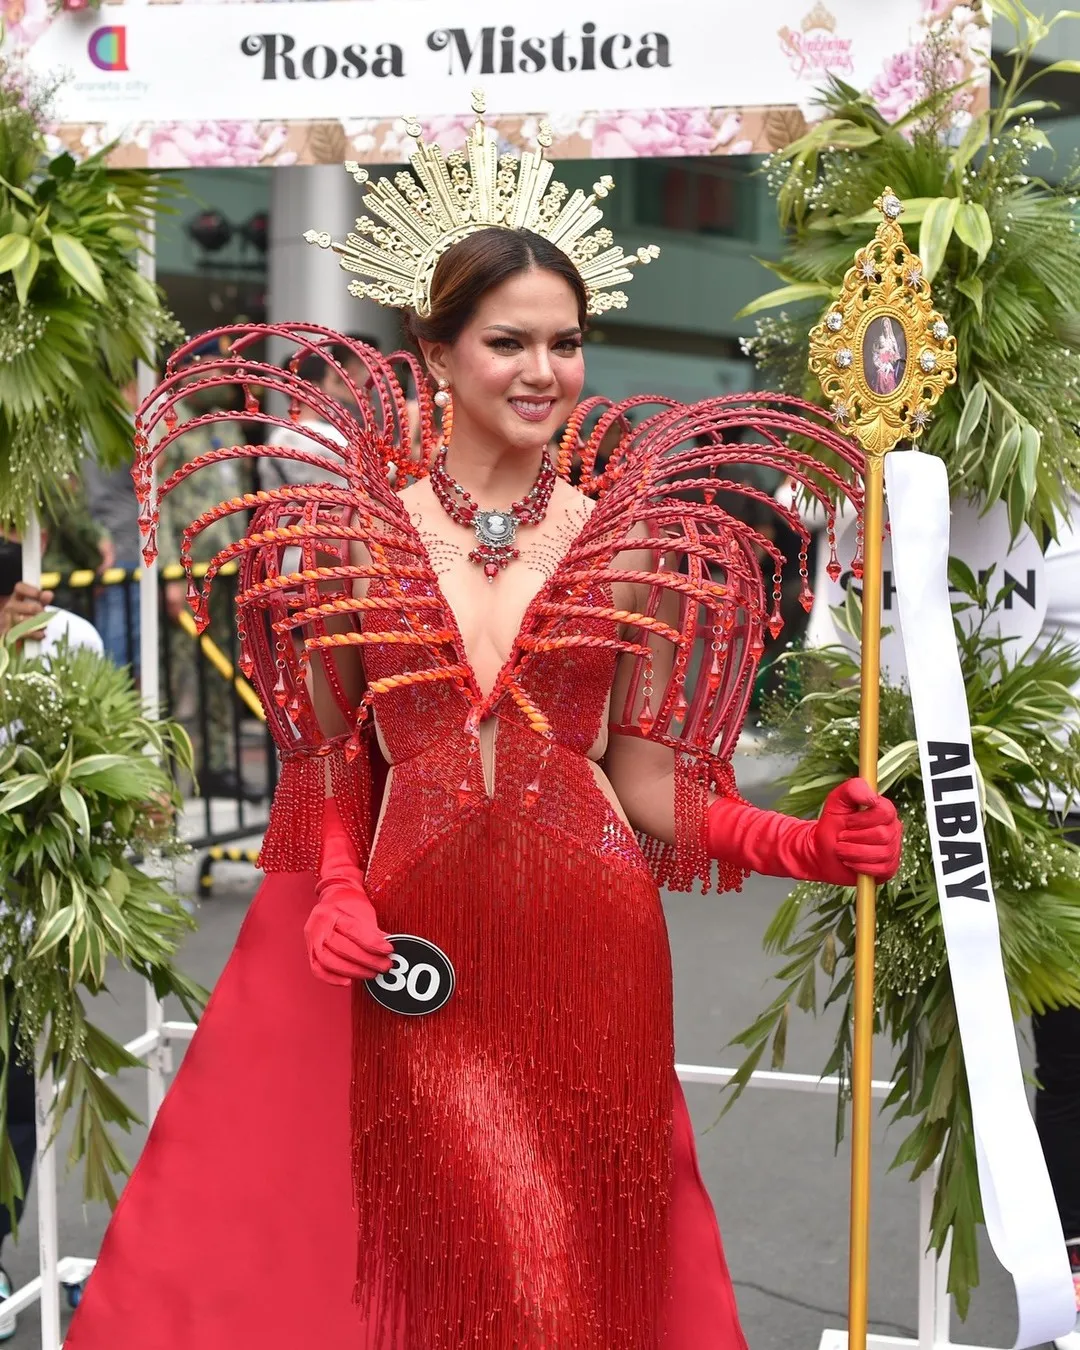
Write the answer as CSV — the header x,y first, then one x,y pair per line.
x,y
256,82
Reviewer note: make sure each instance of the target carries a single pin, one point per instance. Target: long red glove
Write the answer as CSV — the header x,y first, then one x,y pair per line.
x,y
857,831
344,940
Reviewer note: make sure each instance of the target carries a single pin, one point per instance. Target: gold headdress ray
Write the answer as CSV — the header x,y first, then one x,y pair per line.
x,y
448,197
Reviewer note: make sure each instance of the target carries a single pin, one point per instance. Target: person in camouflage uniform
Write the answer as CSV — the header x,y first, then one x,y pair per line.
x,y
219,775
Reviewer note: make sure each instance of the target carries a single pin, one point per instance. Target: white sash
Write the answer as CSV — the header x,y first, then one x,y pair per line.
x,y
1021,1216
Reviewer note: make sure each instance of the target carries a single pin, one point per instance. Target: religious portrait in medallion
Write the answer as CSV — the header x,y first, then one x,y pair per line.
x,y
884,356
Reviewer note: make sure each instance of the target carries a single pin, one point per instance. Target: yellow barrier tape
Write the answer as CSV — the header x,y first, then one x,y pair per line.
x,y
113,576
222,665
220,854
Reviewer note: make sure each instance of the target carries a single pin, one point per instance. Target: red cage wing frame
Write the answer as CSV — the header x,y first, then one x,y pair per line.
x,y
295,561
676,488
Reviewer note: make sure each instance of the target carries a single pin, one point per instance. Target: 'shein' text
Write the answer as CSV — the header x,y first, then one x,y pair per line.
x,y
482,51
955,820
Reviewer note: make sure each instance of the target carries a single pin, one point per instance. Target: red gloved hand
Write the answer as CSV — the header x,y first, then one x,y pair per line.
x,y
857,831
344,940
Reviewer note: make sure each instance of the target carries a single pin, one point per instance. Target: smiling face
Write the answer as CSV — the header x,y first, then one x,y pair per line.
x,y
516,368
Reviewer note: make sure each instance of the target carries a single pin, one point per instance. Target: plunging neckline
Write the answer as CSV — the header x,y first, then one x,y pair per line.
x,y
485,703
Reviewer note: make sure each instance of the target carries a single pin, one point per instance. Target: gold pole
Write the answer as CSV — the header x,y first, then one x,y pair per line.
x,y
865,901
886,284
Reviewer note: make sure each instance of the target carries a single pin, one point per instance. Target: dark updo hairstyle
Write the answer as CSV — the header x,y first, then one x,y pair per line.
x,y
478,263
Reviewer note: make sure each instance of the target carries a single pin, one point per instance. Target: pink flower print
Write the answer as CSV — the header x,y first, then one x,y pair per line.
x,y
208,145
728,130
24,21
662,131
900,85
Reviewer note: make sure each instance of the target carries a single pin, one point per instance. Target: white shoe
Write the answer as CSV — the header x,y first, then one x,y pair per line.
x,y
8,1321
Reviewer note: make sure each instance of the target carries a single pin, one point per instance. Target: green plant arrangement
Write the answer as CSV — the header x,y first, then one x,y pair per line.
x,y
75,312
1001,248
999,244
85,790
1020,719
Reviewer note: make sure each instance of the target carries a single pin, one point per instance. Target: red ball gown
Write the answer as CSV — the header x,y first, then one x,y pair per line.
x,y
517,1170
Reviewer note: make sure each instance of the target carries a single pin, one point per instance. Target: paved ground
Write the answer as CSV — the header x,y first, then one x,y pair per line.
x,y
780,1192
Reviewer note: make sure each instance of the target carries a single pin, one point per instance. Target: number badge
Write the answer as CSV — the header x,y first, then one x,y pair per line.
x,y
420,980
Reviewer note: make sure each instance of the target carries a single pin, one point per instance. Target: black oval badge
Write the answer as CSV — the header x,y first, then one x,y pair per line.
x,y
420,980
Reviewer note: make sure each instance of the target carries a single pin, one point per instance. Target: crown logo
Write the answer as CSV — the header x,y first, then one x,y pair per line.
x,y
445,198
819,17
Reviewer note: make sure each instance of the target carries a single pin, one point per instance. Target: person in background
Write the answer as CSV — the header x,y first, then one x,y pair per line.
x,y
18,601
274,473
110,497
219,775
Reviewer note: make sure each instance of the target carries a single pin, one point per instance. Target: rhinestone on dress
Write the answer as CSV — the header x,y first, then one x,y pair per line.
x,y
928,361
844,358
834,321
892,206
940,329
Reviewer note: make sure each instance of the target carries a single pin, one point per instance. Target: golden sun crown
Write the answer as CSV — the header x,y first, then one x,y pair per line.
x,y
471,190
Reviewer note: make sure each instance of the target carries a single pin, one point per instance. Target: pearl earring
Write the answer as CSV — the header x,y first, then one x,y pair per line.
x,y
442,394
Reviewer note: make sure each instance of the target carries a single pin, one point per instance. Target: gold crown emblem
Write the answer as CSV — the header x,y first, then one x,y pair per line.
x,y
819,17
455,195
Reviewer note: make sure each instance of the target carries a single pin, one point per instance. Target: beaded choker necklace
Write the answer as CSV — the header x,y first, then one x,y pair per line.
x,y
495,530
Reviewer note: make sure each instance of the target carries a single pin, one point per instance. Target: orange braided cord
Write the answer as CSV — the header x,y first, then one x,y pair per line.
x,y
396,638
541,644
708,593
536,719
332,607
406,678
556,610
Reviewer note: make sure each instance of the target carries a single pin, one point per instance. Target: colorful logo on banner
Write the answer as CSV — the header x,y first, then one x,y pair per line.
x,y
816,47
107,48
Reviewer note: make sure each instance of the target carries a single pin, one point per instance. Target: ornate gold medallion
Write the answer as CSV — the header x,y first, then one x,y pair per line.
x,y
883,354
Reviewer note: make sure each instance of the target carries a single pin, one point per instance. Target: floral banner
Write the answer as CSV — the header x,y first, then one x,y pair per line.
x,y
247,82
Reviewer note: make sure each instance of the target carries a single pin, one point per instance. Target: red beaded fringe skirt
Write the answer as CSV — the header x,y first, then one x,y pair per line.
x,y
507,1194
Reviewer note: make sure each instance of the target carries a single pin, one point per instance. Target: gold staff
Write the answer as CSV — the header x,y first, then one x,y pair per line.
x,y
883,356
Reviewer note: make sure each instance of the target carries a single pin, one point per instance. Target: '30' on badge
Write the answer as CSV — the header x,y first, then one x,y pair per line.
x,y
420,979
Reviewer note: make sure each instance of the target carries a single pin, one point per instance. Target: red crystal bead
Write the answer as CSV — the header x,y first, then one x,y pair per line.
x,y
645,718
464,792
834,569
194,599
170,418
491,570
294,707
149,551
281,689
776,623
680,705
715,673
246,663
757,647
531,795
806,598
353,746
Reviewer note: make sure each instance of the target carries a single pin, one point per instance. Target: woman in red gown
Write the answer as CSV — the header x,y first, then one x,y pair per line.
x,y
504,709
